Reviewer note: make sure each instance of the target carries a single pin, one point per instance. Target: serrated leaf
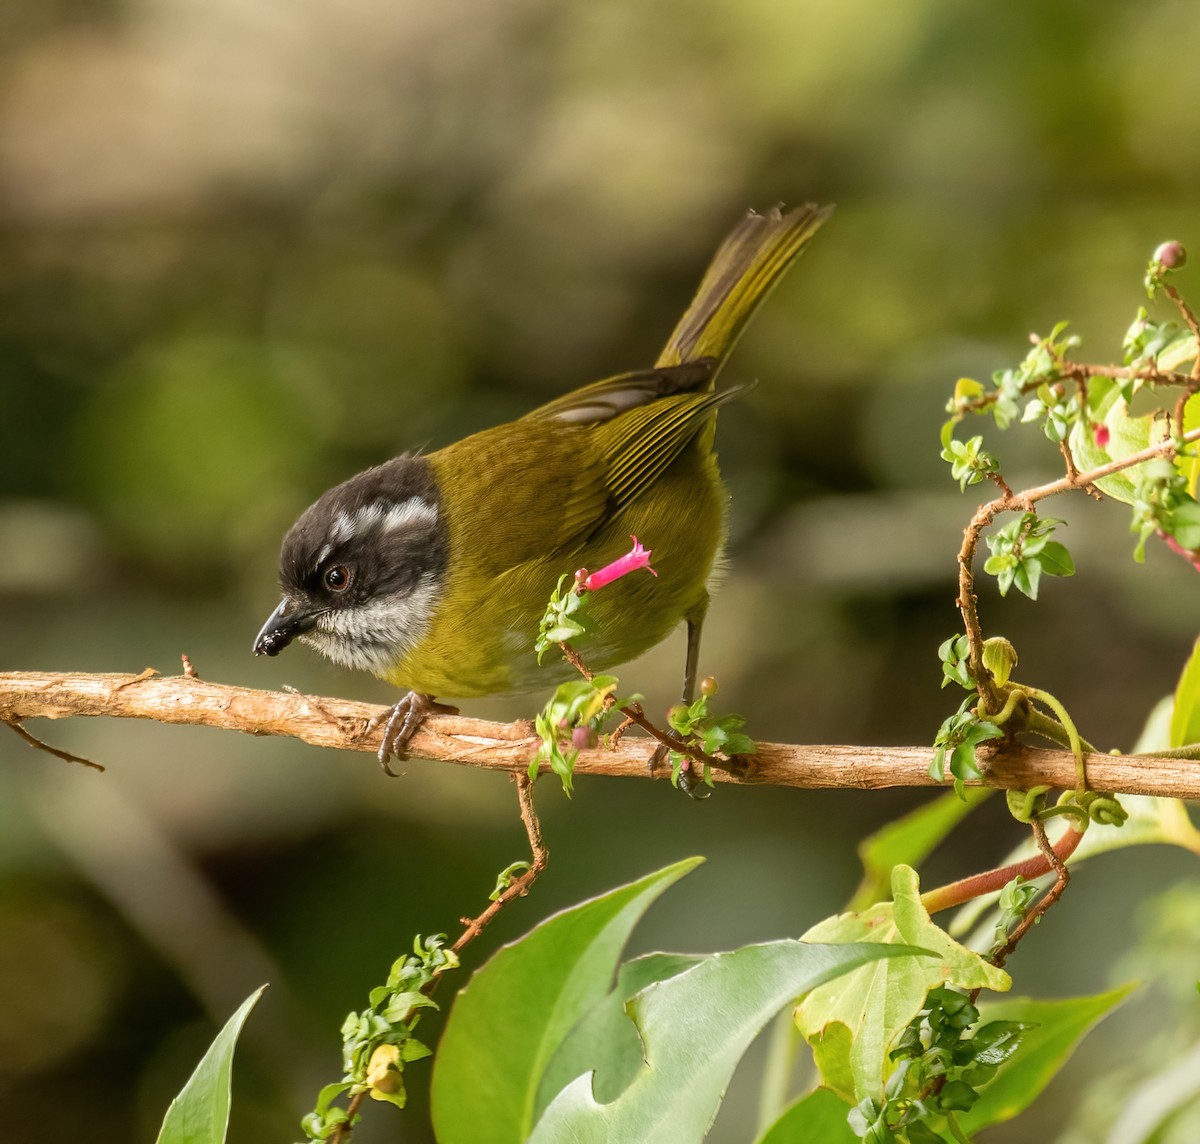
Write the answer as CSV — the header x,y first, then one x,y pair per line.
x,y
517,1010
719,1005
876,1003
200,1113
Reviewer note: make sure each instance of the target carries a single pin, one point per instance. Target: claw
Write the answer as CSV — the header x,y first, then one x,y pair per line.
x,y
404,720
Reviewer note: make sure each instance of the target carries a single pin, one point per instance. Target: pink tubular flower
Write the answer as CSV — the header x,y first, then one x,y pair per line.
x,y
637,557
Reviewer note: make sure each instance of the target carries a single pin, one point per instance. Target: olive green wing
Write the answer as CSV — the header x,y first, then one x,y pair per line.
x,y
612,396
639,446
639,423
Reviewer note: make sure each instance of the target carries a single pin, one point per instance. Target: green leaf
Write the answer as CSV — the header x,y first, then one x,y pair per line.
x,y
720,1005
605,1041
517,1010
1127,435
910,840
200,1113
1056,560
818,1118
1044,1049
1185,715
875,1004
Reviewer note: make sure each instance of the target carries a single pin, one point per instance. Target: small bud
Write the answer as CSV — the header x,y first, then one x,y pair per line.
x,y
383,1069
708,686
1171,256
999,657
676,713
584,737
1101,435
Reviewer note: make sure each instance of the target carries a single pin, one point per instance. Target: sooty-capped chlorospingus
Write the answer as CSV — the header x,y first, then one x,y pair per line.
x,y
433,571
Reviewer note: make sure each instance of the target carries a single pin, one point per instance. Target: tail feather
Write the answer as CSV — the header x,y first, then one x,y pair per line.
x,y
743,272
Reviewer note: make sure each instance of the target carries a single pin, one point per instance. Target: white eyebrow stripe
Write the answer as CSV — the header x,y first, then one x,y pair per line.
x,y
412,511
375,516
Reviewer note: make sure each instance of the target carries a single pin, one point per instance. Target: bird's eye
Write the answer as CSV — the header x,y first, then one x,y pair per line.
x,y
337,578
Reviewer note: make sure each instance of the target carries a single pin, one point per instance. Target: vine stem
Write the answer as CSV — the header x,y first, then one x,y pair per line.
x,y
989,881
1056,858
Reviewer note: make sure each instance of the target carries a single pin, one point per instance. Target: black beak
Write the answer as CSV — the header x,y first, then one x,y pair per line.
x,y
285,624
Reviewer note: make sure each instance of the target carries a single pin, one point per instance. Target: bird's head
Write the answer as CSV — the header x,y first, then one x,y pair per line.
x,y
363,568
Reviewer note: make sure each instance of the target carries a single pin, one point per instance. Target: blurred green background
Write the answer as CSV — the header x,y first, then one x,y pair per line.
x,y
249,249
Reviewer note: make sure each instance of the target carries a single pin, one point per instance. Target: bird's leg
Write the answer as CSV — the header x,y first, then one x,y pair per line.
x,y
403,722
688,782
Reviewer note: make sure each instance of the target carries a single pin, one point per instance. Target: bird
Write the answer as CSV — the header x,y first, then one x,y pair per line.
x,y
432,571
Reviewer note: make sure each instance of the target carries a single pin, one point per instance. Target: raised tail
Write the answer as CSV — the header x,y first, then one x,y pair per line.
x,y
746,268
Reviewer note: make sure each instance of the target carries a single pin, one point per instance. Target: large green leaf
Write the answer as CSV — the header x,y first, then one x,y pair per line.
x,y
1058,1026
818,1118
853,1023
694,1029
517,1010
200,1113
605,1041
909,840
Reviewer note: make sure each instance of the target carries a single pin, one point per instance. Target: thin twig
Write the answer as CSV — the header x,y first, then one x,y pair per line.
x,y
1055,857
634,713
66,756
520,885
473,927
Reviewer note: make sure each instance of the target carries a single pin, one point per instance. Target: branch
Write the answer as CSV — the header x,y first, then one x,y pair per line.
x,y
342,724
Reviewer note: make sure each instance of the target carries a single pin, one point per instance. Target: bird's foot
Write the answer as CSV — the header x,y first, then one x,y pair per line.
x,y
403,721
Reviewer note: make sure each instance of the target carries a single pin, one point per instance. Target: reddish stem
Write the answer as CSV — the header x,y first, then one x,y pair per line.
x,y
990,881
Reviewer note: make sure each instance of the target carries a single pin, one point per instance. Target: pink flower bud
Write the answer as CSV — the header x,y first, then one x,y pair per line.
x,y
637,557
584,737
1171,256
1101,435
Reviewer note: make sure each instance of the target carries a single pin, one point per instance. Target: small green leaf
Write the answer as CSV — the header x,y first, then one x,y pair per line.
x,y
1056,560
1056,1027
200,1113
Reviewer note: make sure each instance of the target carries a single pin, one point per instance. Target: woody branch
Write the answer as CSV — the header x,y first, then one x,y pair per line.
x,y
342,724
